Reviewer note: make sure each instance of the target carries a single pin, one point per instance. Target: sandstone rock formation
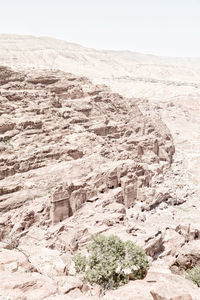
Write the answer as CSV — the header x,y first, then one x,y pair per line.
x,y
95,131
156,286
78,159
170,84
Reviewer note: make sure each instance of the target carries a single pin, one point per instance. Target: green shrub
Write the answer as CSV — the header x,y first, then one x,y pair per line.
x,y
110,261
80,263
194,275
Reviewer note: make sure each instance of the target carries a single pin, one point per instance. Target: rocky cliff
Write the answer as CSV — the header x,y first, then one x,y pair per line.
x,y
86,133
78,159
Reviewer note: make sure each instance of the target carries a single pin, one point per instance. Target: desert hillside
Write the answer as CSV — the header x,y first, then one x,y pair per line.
x,y
96,142
43,52
171,84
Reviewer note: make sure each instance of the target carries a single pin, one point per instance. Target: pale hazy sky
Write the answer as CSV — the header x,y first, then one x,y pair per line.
x,y
164,27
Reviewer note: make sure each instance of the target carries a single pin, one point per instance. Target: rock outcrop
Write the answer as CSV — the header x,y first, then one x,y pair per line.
x,y
61,119
78,159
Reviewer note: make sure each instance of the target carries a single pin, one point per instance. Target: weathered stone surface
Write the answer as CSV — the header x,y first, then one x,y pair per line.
x,y
188,256
156,286
60,207
167,293
13,261
26,286
68,283
78,159
43,137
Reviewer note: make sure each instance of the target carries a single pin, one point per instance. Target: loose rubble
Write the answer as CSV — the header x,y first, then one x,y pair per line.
x,y
78,159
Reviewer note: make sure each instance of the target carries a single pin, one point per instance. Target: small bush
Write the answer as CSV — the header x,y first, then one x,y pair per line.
x,y
194,275
110,261
80,263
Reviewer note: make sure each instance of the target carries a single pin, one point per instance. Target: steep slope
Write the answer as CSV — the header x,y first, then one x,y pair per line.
x,y
77,158
71,152
52,118
162,80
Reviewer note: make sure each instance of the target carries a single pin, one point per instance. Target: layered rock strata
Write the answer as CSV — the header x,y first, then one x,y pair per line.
x,y
77,159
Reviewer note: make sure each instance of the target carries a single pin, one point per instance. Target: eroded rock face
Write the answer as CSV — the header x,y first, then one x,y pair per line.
x,y
95,131
77,159
58,131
